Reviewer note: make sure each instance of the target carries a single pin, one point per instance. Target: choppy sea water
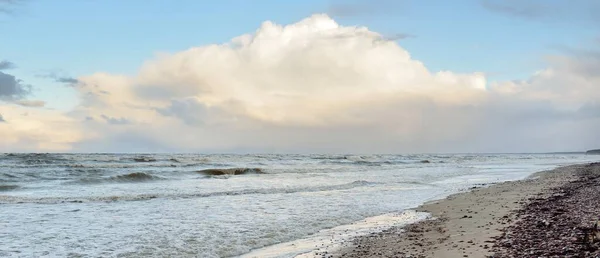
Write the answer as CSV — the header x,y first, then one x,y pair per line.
x,y
193,205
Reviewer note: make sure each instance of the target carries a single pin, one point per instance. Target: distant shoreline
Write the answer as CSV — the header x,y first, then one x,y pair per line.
x,y
467,224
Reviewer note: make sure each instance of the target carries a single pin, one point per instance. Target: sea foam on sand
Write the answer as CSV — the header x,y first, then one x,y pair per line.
x,y
331,240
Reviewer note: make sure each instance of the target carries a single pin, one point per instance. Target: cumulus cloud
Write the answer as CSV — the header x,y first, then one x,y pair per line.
x,y
304,73
317,86
190,111
39,130
570,82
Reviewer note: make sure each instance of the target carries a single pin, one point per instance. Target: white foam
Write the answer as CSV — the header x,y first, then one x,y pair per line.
x,y
330,240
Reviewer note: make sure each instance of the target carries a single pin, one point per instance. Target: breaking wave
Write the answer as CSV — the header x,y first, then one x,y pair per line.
x,y
6,177
230,171
137,176
36,158
141,197
144,159
127,178
4,188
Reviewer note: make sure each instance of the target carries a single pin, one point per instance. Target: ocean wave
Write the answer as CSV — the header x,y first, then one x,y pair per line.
x,y
290,190
202,160
373,163
4,199
328,157
7,199
7,175
360,162
127,178
144,159
4,188
82,172
195,164
36,158
136,176
230,171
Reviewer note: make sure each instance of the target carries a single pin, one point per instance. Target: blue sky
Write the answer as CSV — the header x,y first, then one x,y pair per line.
x,y
75,38
537,61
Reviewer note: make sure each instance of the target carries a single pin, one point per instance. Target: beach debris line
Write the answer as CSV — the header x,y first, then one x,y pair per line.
x,y
563,223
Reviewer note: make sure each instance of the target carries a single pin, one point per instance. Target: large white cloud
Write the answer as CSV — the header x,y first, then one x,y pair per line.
x,y
34,129
318,86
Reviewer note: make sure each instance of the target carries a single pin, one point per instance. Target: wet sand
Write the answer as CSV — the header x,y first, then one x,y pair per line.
x,y
488,221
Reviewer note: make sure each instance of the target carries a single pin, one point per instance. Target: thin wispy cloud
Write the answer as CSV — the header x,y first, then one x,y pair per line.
x,y
523,9
5,65
31,103
338,8
9,6
399,36
580,11
67,80
60,78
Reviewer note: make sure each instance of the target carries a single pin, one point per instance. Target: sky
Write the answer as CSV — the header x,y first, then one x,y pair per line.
x,y
311,76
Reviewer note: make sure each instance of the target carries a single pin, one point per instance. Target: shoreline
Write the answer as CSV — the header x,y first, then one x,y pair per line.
x,y
338,241
464,224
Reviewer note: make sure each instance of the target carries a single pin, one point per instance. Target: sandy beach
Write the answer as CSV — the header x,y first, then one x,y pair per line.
x,y
545,215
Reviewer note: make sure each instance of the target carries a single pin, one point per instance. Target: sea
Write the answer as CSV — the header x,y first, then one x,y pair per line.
x,y
226,205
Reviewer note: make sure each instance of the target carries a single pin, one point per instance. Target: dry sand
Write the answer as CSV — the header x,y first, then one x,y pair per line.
x,y
465,224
